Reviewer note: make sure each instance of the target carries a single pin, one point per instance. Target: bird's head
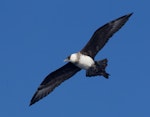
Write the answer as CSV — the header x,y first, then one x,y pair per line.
x,y
73,58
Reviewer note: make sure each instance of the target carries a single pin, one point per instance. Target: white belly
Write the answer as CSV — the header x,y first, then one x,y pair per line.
x,y
85,62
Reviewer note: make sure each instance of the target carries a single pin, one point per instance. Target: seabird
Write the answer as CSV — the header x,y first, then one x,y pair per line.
x,y
83,59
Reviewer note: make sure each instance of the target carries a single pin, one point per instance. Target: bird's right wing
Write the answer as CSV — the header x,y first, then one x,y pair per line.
x,y
53,80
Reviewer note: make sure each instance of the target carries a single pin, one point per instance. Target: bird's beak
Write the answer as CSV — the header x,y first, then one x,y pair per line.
x,y
66,60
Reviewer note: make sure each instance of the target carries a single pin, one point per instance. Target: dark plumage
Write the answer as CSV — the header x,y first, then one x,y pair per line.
x,y
98,69
95,44
102,35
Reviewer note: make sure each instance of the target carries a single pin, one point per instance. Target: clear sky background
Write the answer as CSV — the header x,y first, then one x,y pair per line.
x,y
36,36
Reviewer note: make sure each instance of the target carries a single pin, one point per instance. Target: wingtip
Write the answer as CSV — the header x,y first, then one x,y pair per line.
x,y
128,15
31,104
33,100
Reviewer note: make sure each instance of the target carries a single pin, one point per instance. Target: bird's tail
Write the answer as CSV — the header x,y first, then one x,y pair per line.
x,y
98,69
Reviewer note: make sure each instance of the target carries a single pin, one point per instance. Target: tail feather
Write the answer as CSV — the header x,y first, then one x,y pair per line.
x,y
98,69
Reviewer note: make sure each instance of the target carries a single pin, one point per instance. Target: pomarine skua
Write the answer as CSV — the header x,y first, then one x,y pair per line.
x,y
83,59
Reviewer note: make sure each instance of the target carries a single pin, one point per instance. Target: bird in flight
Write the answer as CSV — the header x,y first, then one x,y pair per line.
x,y
83,59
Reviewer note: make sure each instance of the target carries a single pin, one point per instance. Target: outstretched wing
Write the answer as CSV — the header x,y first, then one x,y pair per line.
x,y
102,35
53,80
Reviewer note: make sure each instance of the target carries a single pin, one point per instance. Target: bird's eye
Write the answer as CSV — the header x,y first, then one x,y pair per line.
x,y
68,57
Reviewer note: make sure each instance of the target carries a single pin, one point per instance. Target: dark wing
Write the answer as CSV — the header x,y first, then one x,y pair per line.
x,y
53,80
102,35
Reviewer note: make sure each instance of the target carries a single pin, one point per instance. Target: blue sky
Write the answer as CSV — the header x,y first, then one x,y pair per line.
x,y
36,36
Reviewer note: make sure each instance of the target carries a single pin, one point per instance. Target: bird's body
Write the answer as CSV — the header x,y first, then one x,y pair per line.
x,y
83,59
93,68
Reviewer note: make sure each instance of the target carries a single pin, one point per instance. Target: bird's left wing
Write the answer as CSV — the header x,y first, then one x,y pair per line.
x,y
102,35
53,80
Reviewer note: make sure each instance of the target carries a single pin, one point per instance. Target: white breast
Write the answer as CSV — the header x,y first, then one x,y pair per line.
x,y
85,62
